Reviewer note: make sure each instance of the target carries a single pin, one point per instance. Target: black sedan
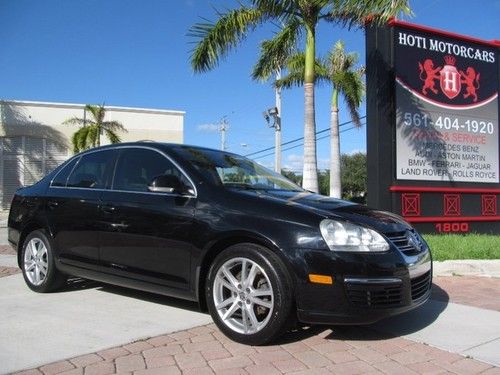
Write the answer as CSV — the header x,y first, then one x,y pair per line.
x,y
214,227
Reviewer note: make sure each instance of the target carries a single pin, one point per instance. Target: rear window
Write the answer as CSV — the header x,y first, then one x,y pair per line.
x,y
93,171
62,176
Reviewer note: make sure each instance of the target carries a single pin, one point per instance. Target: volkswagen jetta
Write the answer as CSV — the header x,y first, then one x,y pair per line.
x,y
254,248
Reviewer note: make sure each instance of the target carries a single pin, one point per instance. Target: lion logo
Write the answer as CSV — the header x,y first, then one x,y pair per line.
x,y
471,80
431,75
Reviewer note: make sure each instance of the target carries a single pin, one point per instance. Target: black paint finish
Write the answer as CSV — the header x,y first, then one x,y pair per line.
x,y
164,242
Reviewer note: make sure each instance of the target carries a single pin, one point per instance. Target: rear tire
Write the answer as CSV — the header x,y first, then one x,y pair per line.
x,y
38,266
249,294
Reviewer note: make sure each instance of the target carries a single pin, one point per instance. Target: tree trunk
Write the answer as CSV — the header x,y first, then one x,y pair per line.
x,y
310,171
335,182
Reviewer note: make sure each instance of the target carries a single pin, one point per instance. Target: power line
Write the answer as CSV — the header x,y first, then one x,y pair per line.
x,y
301,144
298,139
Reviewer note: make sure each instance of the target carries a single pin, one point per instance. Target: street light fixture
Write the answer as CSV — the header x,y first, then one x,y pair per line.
x,y
272,113
273,119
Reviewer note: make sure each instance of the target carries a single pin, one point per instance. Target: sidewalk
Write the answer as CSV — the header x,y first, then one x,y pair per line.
x,y
427,341
4,215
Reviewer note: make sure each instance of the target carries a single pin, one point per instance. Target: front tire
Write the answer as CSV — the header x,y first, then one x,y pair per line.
x,y
37,264
249,294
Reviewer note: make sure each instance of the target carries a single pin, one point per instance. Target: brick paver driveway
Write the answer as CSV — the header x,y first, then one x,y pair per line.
x,y
317,350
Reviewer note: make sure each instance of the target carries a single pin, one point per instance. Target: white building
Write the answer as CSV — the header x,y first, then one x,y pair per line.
x,y
33,140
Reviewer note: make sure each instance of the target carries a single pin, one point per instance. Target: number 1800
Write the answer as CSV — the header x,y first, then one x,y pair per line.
x,y
452,227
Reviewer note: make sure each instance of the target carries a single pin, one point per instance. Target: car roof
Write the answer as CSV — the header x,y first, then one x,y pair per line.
x,y
164,146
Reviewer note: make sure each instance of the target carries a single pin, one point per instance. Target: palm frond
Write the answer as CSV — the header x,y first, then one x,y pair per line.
x,y
76,121
113,125
295,67
292,79
112,136
75,142
278,9
93,110
352,88
274,52
79,139
215,40
358,13
92,139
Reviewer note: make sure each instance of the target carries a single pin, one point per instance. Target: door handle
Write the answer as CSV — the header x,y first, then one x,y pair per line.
x,y
108,209
52,204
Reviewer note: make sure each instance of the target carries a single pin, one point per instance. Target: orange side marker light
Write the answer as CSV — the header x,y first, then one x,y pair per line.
x,y
320,279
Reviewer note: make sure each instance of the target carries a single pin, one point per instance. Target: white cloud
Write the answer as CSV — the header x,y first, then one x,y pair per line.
x,y
208,128
295,163
323,164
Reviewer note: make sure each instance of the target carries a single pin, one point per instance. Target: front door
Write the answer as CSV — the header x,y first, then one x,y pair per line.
x,y
147,234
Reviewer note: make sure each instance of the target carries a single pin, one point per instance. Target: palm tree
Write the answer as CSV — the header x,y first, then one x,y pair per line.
x,y
338,70
89,134
297,17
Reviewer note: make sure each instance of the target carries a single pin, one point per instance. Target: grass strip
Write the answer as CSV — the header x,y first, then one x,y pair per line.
x,y
467,246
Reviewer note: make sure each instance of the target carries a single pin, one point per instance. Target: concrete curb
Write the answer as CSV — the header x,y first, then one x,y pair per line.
x,y
467,267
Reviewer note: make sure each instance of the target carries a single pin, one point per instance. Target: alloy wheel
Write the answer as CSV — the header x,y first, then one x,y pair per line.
x,y
36,261
243,295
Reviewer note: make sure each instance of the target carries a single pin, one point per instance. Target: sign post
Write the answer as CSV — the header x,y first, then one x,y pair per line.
x,y
433,133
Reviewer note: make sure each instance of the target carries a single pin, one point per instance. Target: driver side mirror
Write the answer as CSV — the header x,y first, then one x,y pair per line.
x,y
166,184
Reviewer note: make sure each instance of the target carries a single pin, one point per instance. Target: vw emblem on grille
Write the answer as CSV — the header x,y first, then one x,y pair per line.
x,y
413,240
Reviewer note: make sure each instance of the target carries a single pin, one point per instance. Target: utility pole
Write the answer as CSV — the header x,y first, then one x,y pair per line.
x,y
223,127
277,127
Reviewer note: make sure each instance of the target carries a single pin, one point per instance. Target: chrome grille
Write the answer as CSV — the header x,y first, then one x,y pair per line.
x,y
404,243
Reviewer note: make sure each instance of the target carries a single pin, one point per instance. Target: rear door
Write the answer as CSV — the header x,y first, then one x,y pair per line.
x,y
147,235
73,207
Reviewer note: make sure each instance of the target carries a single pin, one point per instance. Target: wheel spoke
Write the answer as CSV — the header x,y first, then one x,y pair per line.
x,y
29,265
251,275
260,302
244,319
261,292
230,276
36,274
234,307
253,319
231,287
243,277
41,250
32,250
225,303
43,267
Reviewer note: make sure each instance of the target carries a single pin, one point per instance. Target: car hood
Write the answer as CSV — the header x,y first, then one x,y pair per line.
x,y
335,208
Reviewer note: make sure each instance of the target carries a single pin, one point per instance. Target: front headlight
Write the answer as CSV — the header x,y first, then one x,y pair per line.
x,y
344,236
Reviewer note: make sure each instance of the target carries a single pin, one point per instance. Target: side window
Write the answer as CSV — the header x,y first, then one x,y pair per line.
x,y
138,167
93,170
62,176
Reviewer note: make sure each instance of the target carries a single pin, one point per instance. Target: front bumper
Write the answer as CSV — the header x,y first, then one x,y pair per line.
x,y
366,287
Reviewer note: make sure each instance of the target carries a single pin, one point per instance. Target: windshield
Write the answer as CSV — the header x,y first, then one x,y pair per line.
x,y
231,170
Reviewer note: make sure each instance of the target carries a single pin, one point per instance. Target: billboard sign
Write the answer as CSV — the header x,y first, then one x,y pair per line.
x,y
432,127
447,108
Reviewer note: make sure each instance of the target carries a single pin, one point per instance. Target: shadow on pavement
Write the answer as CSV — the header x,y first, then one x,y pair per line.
x,y
416,320
75,284
396,326
392,327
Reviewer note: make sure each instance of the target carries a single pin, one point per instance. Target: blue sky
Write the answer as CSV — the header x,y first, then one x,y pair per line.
x,y
136,53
